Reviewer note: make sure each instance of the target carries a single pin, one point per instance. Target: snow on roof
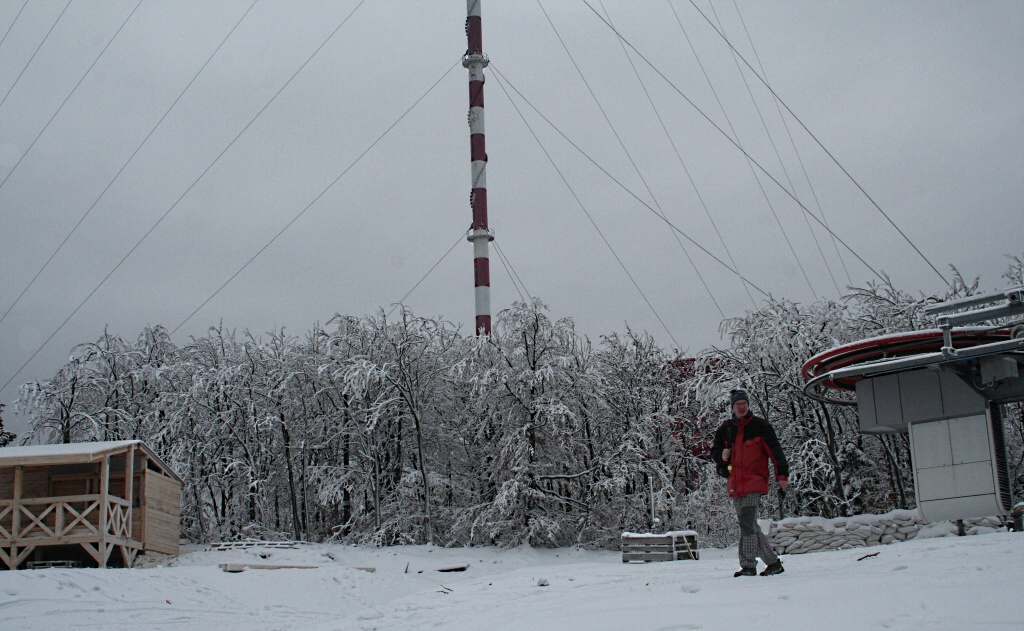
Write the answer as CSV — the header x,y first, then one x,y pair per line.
x,y
74,453
90,450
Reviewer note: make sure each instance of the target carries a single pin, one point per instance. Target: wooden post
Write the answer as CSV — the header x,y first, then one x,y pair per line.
x,y
58,525
143,468
129,482
19,477
104,497
143,510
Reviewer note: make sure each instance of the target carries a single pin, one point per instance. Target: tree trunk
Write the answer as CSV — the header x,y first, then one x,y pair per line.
x,y
346,502
833,456
423,474
291,478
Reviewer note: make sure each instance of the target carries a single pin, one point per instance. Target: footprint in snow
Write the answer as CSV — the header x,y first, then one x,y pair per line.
x,y
899,567
690,589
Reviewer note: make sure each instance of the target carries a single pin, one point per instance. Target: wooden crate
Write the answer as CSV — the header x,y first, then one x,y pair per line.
x,y
670,546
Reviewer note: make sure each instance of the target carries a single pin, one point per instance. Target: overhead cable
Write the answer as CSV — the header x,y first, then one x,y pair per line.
x,y
501,81
734,143
636,168
317,198
819,143
68,97
29,63
173,206
785,172
508,271
513,274
626,188
735,139
682,163
432,267
13,22
792,142
126,163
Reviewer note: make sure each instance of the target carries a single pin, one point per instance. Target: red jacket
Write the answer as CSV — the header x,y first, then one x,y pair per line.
x,y
753,442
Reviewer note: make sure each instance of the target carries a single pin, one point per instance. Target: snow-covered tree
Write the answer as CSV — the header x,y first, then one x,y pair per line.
x,y
391,430
6,437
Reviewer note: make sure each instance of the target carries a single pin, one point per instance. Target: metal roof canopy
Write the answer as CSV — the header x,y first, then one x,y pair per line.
x,y
988,362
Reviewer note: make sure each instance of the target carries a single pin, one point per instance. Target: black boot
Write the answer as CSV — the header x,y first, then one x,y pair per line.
x,y
747,571
774,568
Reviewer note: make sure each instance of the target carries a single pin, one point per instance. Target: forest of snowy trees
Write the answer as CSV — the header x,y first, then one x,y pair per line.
x,y
388,430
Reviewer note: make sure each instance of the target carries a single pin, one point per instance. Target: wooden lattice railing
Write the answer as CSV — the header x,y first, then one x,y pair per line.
x,y
62,517
119,518
28,523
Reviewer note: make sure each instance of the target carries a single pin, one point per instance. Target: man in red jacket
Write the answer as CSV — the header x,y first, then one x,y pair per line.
x,y
743,446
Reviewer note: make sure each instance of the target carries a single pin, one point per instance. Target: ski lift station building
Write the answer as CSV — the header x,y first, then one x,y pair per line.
x,y
97,502
945,387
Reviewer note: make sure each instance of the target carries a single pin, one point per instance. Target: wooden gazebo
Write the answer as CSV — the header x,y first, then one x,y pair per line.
x,y
58,500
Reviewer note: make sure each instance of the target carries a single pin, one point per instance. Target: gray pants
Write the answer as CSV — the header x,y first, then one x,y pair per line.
x,y
753,542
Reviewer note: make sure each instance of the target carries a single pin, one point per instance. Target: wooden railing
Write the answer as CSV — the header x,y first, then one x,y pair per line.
x,y
119,517
62,518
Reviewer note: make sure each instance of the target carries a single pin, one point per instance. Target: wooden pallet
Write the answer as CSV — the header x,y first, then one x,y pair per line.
x,y
670,546
39,565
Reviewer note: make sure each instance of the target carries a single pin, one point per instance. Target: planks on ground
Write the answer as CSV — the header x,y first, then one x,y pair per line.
x,y
241,567
236,545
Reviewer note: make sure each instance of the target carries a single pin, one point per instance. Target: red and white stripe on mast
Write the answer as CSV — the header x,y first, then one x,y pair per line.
x,y
479,234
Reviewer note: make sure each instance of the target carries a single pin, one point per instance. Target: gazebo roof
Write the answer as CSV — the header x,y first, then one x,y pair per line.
x,y
73,453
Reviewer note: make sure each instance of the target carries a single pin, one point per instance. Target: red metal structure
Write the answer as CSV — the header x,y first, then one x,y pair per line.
x,y
818,369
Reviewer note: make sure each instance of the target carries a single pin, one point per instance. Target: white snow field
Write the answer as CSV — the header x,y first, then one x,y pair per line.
x,y
947,583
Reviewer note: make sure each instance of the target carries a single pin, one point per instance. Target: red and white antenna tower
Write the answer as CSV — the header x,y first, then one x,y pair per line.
x,y
479,234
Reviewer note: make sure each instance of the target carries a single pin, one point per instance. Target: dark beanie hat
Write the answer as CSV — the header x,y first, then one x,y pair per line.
x,y
738,395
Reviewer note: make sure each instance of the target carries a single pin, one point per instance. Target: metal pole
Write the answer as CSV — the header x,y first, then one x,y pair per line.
x,y
479,235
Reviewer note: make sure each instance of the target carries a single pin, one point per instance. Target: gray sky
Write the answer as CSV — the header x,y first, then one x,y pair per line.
x,y
920,101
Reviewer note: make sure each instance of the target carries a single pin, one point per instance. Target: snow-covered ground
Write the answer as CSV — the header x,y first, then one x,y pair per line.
x,y
948,583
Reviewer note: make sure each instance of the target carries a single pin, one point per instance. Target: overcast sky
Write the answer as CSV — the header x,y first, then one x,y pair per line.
x,y
922,102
